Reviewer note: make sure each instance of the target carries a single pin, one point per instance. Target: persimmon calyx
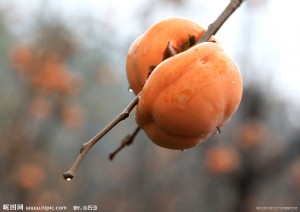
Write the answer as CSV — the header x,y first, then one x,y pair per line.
x,y
171,51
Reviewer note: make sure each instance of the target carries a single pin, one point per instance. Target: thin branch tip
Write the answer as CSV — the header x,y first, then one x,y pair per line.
x,y
68,175
86,146
128,140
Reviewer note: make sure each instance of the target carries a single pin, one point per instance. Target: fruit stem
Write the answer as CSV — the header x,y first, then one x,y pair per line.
x,y
86,146
217,24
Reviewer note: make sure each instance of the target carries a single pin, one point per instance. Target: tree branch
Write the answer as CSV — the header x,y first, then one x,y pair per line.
x,y
86,146
217,24
128,140
212,30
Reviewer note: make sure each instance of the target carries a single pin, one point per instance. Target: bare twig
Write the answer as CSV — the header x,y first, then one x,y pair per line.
x,y
212,30
217,24
128,140
86,146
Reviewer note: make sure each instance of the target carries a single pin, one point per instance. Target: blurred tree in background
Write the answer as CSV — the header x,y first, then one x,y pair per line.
x,y
63,79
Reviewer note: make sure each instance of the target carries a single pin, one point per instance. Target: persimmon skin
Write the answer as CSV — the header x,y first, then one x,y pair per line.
x,y
147,50
188,96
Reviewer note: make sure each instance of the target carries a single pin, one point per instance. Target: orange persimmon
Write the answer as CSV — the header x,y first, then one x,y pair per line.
x,y
221,159
22,59
189,97
148,49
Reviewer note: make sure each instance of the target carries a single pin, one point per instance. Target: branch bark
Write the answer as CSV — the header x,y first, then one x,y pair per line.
x,y
128,140
218,23
86,146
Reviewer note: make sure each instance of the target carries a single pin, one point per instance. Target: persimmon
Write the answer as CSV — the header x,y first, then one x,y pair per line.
x,y
221,159
22,59
40,108
189,97
54,76
183,95
148,49
251,134
73,116
30,176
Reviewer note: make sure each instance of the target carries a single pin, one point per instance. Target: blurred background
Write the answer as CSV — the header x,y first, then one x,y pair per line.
x,y
62,79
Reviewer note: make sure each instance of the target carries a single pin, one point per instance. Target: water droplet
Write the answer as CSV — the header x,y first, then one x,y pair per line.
x,y
68,177
182,150
218,130
130,89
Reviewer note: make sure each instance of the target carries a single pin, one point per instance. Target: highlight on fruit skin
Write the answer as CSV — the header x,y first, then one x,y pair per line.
x,y
189,97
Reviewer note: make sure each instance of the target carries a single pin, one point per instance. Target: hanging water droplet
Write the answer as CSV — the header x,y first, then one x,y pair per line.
x,y
218,130
182,150
130,89
68,176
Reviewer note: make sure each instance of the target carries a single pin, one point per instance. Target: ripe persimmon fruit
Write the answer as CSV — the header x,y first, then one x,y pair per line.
x,y
22,59
220,159
189,97
148,49
186,90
